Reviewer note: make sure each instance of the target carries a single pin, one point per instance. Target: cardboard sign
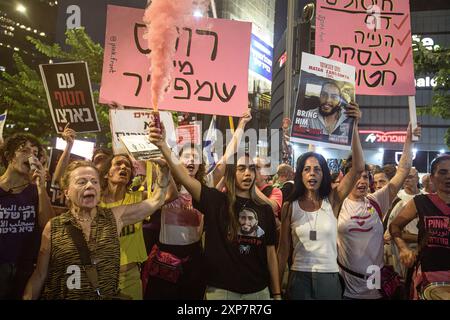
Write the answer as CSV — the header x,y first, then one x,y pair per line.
x,y
376,39
56,195
325,89
139,148
211,65
80,148
131,122
69,96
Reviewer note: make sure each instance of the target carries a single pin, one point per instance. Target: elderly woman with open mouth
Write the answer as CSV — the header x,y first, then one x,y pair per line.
x,y
79,256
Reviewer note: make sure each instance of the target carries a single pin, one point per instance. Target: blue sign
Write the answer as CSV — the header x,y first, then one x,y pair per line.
x,y
261,58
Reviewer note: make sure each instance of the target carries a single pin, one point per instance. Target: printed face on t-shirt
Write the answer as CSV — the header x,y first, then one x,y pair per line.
x,y
248,220
441,177
245,173
380,180
361,187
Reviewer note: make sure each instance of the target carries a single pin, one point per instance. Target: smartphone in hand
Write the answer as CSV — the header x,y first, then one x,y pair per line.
x,y
32,160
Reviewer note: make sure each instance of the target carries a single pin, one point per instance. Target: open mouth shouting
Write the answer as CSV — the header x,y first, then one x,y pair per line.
x,y
123,173
190,167
89,198
312,183
247,182
362,188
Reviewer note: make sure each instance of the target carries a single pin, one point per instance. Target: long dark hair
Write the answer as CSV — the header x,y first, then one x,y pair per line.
x,y
299,187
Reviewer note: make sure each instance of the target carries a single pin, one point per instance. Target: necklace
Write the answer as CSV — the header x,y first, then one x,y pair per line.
x,y
89,218
12,189
313,232
245,205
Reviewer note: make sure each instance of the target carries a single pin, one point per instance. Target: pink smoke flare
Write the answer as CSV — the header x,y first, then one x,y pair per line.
x,y
162,18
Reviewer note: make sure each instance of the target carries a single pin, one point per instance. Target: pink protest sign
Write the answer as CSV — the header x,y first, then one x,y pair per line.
x,y
211,65
376,39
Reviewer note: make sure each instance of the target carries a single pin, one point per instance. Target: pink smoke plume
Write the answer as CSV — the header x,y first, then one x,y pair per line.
x,y
162,18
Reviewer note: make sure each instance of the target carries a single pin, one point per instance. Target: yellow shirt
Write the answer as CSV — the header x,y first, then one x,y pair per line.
x,y
132,245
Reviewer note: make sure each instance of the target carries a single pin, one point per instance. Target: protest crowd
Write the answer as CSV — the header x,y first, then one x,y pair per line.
x,y
157,217
229,230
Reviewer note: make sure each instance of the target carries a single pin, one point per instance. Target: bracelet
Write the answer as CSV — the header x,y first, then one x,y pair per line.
x,y
276,294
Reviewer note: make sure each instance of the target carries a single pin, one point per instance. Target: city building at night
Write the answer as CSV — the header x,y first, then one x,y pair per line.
x,y
385,118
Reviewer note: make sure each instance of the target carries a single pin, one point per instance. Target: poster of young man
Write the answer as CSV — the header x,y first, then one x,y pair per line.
x,y
69,95
325,89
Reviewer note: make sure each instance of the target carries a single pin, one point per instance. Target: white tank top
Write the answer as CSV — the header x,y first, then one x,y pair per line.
x,y
318,255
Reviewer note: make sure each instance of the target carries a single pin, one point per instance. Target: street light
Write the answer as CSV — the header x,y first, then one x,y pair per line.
x,y
21,8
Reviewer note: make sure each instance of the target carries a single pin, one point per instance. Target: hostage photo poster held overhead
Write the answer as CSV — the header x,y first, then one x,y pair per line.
x,y
69,95
210,65
325,89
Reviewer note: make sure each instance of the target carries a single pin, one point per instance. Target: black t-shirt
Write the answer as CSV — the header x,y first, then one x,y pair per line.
x,y
239,266
434,235
19,231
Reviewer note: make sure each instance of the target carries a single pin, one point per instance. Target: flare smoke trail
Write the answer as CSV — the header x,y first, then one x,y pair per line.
x,y
162,18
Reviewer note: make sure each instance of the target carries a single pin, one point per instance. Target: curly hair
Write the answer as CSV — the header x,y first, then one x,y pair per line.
x,y
15,142
107,166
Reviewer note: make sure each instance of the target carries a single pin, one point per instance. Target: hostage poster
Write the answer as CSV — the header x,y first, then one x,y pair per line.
x,y
325,89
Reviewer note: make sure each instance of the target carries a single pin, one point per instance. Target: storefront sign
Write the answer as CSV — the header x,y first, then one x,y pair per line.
x,y
261,58
375,136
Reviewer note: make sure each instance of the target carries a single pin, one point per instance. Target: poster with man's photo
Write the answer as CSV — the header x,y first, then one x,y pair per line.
x,y
325,89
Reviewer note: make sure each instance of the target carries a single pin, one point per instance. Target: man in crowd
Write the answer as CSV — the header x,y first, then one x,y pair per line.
x,y
427,184
285,180
409,234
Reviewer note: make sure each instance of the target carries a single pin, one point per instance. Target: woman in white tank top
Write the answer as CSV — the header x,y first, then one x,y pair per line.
x,y
309,224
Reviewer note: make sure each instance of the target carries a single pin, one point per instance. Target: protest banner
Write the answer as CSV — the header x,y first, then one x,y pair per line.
x,y
56,195
375,37
69,96
131,122
2,123
325,89
211,65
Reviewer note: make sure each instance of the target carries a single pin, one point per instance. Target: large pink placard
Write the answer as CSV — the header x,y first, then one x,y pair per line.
x,y
375,37
211,65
